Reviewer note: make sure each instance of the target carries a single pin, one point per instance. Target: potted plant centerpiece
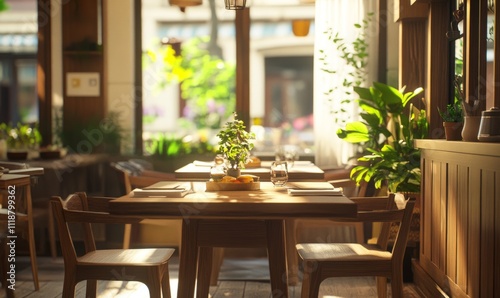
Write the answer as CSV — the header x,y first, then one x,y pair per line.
x,y
21,139
235,145
386,134
453,121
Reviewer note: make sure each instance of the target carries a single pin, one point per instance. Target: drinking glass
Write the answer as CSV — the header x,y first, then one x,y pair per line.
x,y
279,173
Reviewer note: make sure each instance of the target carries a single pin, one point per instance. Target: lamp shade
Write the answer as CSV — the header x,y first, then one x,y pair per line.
x,y
235,4
300,27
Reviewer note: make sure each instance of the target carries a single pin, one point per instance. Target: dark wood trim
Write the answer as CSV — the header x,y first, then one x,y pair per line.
x,y
138,75
242,39
382,42
44,71
496,75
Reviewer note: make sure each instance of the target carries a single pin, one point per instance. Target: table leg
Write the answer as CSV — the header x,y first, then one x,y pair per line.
x,y
277,257
188,258
292,257
204,271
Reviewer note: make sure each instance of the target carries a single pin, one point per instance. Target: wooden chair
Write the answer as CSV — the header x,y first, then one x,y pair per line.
x,y
324,260
321,230
42,214
19,187
134,177
149,266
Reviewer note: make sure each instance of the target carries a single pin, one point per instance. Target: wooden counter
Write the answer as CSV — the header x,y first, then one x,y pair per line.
x,y
460,219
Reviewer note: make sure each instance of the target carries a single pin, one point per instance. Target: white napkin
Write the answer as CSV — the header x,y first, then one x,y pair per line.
x,y
200,163
315,192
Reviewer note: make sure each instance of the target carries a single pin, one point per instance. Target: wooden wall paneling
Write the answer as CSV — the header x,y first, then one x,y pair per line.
x,y
474,228
443,216
451,207
461,230
487,278
462,235
435,213
425,219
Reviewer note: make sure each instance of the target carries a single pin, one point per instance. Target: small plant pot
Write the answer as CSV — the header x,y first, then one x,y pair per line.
x,y
453,130
234,172
17,155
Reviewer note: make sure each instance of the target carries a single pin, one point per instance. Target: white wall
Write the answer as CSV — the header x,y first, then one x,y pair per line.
x,y
119,59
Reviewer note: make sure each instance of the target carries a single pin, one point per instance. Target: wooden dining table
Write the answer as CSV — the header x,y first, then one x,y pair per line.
x,y
301,170
232,219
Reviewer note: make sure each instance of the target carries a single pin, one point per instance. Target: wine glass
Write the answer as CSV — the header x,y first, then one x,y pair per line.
x,y
279,173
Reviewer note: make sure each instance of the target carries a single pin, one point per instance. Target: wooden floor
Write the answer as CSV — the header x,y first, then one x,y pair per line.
x,y
51,286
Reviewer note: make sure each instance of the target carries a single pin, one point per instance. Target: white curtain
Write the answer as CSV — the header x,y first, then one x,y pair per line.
x,y
340,15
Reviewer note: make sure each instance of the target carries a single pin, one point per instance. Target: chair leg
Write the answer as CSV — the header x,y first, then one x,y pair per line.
x,y
91,288
126,236
34,266
155,286
381,287
52,234
69,285
397,285
165,283
311,280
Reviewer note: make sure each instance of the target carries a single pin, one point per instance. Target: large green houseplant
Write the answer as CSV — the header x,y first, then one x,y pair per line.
x,y
386,133
235,145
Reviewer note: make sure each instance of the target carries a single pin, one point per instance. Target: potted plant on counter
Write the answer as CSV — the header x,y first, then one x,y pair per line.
x,y
21,139
453,121
235,145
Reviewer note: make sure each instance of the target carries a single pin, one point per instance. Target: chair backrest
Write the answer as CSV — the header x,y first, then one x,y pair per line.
x,y
13,165
388,209
83,210
62,212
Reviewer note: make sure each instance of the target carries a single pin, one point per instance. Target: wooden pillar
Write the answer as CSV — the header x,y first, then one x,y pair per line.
x,y
138,76
475,55
440,74
412,44
242,24
44,73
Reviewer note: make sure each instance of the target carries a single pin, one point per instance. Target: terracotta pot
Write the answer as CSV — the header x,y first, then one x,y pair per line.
x,y
453,130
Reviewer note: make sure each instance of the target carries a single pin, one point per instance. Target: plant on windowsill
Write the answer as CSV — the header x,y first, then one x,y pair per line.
x,y
453,121
386,133
235,145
